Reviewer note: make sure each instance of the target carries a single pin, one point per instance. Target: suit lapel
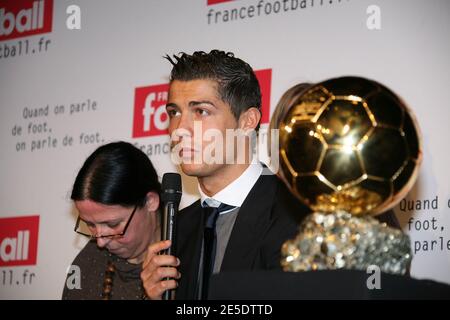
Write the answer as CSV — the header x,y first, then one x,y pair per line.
x,y
190,234
253,220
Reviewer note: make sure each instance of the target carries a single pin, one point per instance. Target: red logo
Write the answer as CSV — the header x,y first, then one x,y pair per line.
x,y
265,83
25,18
18,241
151,119
211,2
150,116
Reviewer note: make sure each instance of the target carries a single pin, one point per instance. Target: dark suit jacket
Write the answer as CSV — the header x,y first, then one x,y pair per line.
x,y
269,216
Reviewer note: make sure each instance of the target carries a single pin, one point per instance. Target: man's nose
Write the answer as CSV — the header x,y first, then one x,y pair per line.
x,y
184,127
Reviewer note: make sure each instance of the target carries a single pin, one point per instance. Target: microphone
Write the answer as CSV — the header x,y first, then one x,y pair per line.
x,y
171,196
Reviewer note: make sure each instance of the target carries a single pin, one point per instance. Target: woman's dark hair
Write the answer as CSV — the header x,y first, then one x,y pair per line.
x,y
117,173
237,83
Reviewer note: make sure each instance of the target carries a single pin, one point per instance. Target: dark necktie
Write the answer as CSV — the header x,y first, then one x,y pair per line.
x,y
210,242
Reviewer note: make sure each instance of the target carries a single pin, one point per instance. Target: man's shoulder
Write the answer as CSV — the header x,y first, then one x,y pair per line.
x,y
193,207
283,201
189,213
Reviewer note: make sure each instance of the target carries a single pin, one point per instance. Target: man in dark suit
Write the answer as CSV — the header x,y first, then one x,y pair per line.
x,y
268,216
250,213
244,214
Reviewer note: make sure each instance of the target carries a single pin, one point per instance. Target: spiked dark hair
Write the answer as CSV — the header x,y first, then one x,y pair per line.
x,y
237,83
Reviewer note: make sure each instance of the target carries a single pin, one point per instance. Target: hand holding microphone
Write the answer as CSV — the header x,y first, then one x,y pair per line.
x,y
159,268
171,196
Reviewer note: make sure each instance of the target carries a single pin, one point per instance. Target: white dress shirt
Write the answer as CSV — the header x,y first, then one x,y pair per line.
x,y
237,191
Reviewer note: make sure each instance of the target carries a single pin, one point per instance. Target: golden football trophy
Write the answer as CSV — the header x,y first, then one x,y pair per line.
x,y
349,149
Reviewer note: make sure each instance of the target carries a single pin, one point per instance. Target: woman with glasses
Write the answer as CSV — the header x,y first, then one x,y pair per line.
x,y
116,194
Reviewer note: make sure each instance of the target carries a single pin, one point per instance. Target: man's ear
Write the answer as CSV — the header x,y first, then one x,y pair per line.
x,y
249,119
152,201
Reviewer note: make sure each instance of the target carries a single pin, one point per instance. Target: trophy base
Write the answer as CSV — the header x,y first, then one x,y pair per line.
x,y
339,240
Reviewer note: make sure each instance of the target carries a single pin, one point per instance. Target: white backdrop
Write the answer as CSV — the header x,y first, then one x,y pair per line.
x,y
114,64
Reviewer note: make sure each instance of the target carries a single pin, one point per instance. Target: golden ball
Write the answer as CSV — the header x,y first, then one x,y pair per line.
x,y
349,144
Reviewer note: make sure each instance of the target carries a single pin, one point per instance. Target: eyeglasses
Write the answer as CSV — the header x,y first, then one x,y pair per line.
x,y
94,236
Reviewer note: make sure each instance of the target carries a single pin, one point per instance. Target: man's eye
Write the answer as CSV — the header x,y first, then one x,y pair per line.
x,y
202,112
173,113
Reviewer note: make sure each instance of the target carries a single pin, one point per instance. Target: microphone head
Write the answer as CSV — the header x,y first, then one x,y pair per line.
x,y
171,187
